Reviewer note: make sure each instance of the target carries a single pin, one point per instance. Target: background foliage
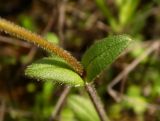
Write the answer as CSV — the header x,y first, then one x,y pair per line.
x,y
75,25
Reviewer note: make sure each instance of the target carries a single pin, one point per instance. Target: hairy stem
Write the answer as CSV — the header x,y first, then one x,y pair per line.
x,y
96,102
24,34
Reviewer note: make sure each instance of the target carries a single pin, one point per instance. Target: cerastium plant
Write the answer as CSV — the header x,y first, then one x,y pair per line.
x,y
62,67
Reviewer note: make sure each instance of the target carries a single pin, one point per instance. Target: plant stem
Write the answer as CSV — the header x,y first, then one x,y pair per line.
x,y
60,104
24,34
96,102
2,110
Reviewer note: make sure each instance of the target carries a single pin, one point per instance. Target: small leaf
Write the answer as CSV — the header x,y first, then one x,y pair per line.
x,y
82,108
54,69
103,53
51,37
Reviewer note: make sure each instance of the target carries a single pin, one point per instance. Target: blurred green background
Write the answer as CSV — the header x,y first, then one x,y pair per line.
x,y
75,25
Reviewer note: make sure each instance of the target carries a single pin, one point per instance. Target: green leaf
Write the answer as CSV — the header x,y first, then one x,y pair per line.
x,y
52,37
48,88
67,114
27,22
103,53
127,11
82,108
102,4
54,69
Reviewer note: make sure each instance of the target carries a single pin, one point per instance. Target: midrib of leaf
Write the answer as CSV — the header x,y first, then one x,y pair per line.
x,y
102,52
109,54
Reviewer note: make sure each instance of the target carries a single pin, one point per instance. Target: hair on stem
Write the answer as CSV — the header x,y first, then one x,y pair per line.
x,y
19,32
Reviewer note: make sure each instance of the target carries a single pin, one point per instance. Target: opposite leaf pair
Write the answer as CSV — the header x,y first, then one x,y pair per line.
x,y
64,68
95,60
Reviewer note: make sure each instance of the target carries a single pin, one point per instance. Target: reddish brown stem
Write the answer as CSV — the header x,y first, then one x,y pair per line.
x,y
24,34
96,102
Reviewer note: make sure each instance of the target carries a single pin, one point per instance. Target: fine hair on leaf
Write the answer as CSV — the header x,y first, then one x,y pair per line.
x,y
103,53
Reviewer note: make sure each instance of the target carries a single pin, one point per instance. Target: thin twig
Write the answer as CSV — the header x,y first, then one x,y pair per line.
x,y
123,85
19,113
60,104
147,105
22,33
50,21
47,28
31,55
2,110
63,96
14,41
129,68
61,20
5,108
96,102
147,65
